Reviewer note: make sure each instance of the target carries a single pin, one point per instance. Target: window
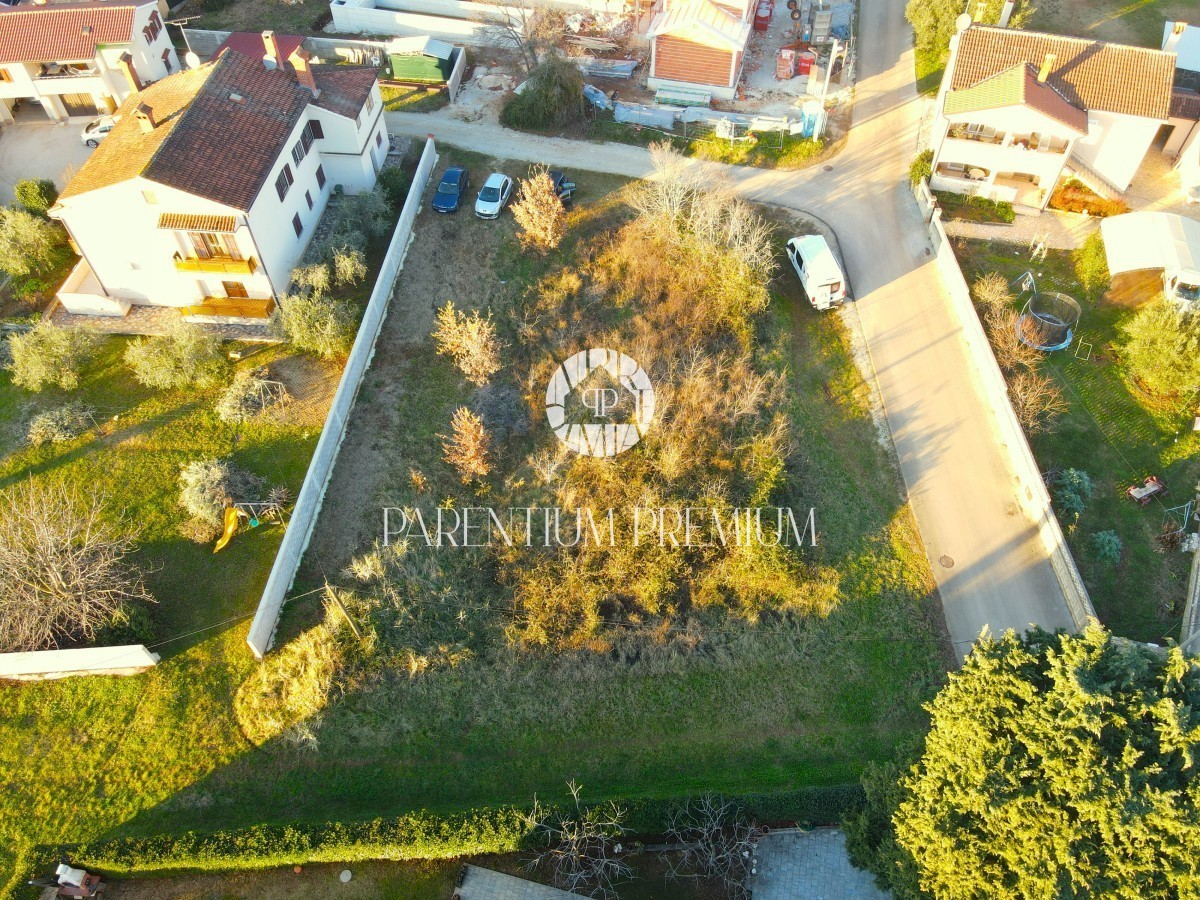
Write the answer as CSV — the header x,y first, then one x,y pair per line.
x,y
209,246
166,58
378,138
320,176
308,199
358,120
297,225
149,197
5,76
284,181
235,290
152,30
370,101
311,132
298,152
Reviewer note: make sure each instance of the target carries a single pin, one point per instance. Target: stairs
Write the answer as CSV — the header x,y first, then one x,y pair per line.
x,y
1094,179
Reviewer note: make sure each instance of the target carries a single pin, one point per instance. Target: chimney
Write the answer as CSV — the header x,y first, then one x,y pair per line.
x,y
1047,65
145,116
304,75
130,73
271,46
1006,13
1172,41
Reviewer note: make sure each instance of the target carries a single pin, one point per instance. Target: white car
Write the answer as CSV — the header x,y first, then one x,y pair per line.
x,y
493,195
97,130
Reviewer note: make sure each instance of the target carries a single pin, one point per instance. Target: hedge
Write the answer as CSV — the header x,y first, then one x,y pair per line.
x,y
421,835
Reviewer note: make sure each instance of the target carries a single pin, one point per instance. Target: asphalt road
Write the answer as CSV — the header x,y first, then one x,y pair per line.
x,y
959,481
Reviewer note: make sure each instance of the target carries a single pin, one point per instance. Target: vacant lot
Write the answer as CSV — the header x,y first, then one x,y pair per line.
x,y
718,700
1119,435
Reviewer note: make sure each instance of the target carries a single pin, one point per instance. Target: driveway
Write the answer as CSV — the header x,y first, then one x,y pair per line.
x,y
812,865
39,150
959,481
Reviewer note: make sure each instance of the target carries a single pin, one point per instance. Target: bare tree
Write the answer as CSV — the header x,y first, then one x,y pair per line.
x,y
64,571
1005,330
525,26
581,846
1036,400
540,212
717,844
991,292
470,341
468,445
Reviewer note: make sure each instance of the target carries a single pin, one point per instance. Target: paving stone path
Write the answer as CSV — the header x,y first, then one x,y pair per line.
x,y
484,884
154,320
812,865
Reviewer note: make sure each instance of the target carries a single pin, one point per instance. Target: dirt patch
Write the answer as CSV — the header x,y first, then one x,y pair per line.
x,y
1138,23
310,383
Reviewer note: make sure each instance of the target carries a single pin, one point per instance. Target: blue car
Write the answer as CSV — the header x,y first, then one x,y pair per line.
x,y
451,189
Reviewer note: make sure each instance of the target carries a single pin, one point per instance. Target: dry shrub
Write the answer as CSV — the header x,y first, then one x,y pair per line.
x,y
289,687
467,447
470,341
539,212
1004,328
1036,400
991,292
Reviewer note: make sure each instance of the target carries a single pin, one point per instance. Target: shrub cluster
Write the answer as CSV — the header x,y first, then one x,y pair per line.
x,y
1075,196
553,95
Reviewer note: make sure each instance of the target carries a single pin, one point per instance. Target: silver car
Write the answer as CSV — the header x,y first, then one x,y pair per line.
x,y
96,130
493,195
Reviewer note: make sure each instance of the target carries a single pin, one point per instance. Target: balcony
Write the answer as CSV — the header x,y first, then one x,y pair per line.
x,y
964,133
219,265
229,310
53,71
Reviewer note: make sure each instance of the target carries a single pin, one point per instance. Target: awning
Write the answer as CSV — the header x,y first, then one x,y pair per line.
x,y
1151,240
195,222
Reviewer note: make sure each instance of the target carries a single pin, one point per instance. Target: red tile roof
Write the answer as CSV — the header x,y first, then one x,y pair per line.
x,y
250,43
59,32
220,128
1090,74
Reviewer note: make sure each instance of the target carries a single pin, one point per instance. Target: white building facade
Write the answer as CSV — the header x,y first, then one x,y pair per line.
x,y
80,58
1018,111
215,219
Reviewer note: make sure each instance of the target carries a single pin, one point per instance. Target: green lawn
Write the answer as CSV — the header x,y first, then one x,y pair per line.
x,y
1119,436
405,99
777,704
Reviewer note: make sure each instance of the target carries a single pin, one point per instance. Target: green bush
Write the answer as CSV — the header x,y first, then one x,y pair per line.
x,y
921,167
393,181
48,355
36,195
1091,267
63,423
1072,490
553,95
28,243
1161,350
315,322
1107,546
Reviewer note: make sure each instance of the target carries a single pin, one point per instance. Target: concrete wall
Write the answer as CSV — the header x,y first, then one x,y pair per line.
x,y
312,492
1189,635
1031,491
45,665
1116,145
361,17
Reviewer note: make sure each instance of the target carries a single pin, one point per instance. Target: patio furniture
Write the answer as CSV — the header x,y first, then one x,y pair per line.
x,y
1149,489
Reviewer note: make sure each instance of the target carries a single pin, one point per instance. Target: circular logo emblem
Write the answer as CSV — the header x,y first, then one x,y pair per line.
x,y
600,402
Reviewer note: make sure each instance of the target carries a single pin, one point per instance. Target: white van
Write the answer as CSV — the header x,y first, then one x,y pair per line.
x,y
820,275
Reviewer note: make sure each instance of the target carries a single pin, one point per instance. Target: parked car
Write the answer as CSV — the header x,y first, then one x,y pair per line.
x,y
493,195
820,274
97,130
563,186
451,189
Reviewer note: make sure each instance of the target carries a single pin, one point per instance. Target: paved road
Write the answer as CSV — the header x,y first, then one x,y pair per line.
x,y
959,482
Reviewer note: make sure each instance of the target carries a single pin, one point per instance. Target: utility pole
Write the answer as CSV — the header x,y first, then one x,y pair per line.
x,y
820,127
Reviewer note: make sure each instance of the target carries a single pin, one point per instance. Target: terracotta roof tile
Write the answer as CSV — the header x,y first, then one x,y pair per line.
x,y
221,128
1017,86
63,31
1089,74
250,43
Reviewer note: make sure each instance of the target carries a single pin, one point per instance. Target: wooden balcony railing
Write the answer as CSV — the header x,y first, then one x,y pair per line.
x,y
232,308
222,265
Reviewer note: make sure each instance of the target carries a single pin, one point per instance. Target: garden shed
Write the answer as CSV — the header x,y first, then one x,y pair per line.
x,y
1156,240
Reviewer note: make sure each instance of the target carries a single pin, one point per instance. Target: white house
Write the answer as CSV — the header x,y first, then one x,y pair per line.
x,y
1182,140
207,192
80,58
1018,109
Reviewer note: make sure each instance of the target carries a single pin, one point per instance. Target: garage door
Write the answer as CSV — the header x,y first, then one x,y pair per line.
x,y
79,104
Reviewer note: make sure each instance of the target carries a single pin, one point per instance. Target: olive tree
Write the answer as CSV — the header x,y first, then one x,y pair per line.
x,y
48,355
184,356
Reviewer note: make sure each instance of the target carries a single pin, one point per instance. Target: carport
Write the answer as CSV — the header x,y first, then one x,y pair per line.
x,y
1156,240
